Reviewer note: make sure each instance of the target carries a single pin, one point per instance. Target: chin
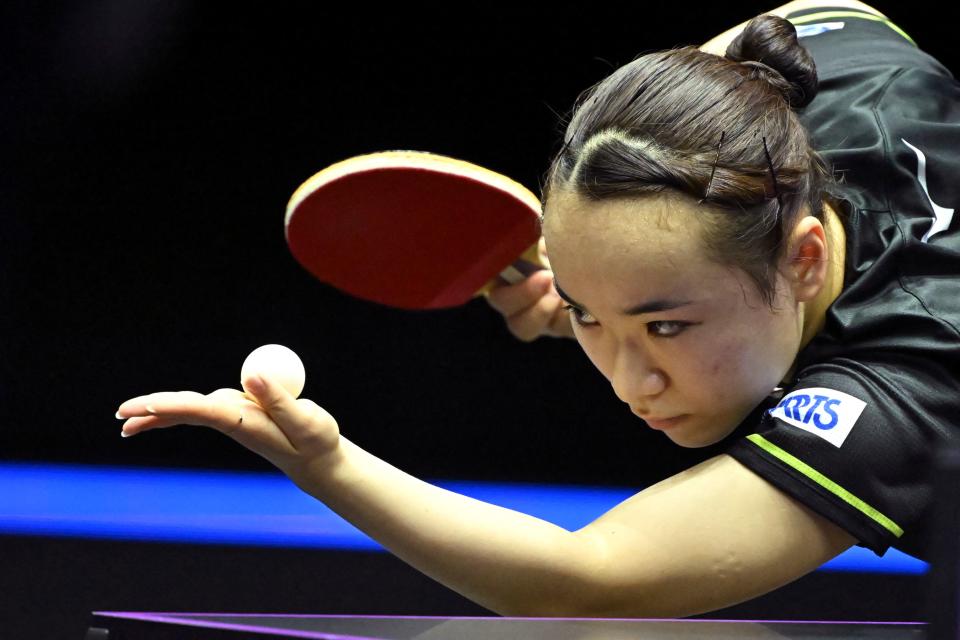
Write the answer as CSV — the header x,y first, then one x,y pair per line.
x,y
693,443
693,438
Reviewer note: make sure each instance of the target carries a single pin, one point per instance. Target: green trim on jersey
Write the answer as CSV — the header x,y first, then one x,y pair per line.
x,y
826,483
826,15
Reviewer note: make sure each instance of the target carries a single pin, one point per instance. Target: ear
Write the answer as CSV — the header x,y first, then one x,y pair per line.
x,y
807,259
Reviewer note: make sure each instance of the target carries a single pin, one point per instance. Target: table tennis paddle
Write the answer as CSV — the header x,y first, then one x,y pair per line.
x,y
412,229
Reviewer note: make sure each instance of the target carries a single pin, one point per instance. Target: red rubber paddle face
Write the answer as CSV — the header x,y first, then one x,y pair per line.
x,y
410,237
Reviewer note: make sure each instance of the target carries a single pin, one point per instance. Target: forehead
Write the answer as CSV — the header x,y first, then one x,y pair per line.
x,y
664,226
631,248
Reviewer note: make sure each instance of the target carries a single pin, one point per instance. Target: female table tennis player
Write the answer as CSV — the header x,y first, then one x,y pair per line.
x,y
731,289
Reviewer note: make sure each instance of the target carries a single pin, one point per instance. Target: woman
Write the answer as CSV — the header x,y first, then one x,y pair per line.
x,y
728,289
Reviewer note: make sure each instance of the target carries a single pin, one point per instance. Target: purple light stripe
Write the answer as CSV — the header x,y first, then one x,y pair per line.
x,y
493,618
206,624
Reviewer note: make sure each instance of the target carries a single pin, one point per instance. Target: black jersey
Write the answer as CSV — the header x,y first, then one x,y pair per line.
x,y
875,393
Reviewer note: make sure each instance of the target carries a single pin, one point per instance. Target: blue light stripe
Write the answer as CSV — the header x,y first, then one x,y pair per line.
x,y
267,509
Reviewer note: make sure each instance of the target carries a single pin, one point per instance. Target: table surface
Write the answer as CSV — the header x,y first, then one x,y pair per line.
x,y
331,627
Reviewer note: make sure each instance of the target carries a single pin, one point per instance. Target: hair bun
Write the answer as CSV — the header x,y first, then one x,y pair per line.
x,y
769,44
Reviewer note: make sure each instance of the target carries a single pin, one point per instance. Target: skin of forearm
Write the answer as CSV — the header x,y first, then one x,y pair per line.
x,y
509,562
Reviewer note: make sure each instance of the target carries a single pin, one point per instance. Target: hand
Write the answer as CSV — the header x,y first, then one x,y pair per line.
x,y
532,307
290,433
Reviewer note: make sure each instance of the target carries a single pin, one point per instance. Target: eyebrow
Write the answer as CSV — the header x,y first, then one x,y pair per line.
x,y
651,306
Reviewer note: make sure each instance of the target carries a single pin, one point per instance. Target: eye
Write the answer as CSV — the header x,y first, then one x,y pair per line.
x,y
667,328
580,316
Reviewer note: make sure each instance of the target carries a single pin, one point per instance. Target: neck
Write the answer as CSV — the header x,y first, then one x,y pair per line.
x,y
815,311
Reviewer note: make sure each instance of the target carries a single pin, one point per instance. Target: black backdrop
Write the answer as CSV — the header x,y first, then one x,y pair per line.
x,y
150,148
148,151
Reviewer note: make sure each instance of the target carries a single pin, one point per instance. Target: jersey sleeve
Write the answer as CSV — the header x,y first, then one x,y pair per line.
x,y
851,444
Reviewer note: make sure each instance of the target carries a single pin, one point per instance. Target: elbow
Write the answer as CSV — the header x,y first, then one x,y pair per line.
x,y
545,608
590,599
573,609
587,584
594,607
593,583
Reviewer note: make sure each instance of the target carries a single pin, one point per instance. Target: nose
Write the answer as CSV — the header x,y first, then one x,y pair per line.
x,y
636,377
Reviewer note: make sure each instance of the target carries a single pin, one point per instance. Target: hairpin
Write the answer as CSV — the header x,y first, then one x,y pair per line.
x,y
773,173
714,169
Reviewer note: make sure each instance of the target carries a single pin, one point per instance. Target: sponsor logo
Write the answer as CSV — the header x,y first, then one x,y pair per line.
x,y
807,30
827,413
942,217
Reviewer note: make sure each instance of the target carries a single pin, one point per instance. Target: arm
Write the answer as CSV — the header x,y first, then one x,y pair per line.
x,y
718,45
709,537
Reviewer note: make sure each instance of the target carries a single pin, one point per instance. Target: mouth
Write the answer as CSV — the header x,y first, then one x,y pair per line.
x,y
662,424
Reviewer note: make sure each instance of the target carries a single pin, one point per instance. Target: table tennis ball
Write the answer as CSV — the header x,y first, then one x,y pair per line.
x,y
279,363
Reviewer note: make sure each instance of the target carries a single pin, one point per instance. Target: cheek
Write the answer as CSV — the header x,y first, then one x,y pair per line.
x,y
746,364
730,380
727,356
594,350
732,363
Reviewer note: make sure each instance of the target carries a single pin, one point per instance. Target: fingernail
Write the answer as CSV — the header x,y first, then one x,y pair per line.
x,y
118,416
124,434
256,385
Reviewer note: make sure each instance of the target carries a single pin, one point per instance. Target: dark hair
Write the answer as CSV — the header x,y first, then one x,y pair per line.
x,y
721,130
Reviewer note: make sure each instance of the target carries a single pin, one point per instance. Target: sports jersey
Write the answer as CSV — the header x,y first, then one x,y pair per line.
x,y
854,435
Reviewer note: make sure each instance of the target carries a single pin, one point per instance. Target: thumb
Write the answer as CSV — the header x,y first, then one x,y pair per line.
x,y
309,428
270,395
543,281
542,252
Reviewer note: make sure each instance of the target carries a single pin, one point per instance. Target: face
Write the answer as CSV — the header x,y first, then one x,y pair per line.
x,y
686,342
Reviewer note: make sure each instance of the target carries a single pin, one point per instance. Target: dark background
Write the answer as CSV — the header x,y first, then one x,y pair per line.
x,y
148,152
151,147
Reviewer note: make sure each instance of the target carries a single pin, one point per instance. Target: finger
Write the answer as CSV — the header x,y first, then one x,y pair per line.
x,y
188,407
133,426
274,399
510,300
537,320
542,253
309,428
144,405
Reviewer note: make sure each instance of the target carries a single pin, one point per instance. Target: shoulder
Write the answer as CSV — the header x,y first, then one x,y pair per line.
x,y
853,440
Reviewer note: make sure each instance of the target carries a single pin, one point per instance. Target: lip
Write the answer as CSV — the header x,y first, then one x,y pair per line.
x,y
662,424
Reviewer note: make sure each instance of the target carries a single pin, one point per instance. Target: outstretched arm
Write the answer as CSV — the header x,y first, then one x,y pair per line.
x,y
709,537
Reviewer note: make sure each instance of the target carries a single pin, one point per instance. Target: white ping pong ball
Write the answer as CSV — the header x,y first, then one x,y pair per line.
x,y
279,363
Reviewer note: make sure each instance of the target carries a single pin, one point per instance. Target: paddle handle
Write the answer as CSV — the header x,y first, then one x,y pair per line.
x,y
530,261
